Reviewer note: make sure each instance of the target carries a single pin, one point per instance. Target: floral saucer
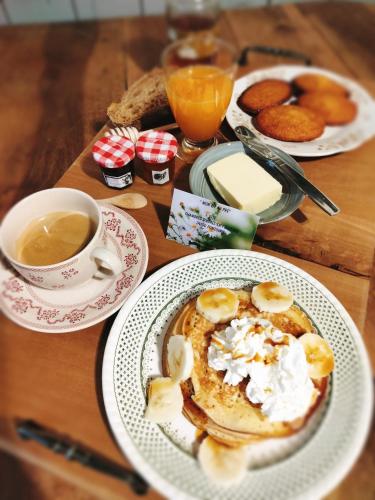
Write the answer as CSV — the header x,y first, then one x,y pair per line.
x,y
69,309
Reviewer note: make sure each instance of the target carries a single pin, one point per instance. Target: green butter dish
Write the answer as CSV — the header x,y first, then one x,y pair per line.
x,y
291,197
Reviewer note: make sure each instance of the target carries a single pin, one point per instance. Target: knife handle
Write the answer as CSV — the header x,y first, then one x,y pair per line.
x,y
30,430
325,204
249,140
273,51
310,190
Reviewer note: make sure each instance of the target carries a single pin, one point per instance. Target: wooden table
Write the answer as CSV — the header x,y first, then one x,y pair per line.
x,y
59,82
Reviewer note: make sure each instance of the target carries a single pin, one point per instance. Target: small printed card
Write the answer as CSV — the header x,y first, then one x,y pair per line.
x,y
205,224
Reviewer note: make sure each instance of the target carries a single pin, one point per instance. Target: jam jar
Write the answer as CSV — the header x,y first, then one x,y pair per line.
x,y
115,156
156,152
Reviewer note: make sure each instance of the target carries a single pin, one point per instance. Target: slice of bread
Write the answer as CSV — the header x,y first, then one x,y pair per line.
x,y
142,102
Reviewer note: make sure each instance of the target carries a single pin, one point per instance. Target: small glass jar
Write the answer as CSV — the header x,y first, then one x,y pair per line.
x,y
156,152
115,156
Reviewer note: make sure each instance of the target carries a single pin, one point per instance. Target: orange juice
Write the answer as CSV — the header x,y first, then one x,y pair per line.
x,y
199,96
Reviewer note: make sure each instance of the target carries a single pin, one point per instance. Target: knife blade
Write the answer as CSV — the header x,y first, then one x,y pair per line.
x,y
249,140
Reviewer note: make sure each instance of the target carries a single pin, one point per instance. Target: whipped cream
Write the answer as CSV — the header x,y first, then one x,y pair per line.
x,y
274,361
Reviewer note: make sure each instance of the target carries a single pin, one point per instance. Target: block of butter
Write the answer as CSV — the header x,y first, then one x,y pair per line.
x,y
243,183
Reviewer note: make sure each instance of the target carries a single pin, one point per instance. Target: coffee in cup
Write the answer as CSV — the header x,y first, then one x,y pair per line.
x,y
56,238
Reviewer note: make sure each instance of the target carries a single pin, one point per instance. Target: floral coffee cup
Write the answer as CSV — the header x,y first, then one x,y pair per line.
x,y
94,260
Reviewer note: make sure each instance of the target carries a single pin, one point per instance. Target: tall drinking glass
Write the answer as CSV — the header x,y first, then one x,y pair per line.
x,y
186,17
199,82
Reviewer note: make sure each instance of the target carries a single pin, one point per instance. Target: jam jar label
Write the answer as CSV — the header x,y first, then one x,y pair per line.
x,y
160,177
119,182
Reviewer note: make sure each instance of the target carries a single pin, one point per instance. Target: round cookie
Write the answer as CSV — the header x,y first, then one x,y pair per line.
x,y
335,109
264,94
290,123
315,82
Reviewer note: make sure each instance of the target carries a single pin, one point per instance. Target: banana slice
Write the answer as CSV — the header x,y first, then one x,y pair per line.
x,y
218,305
271,297
180,358
165,400
224,465
319,355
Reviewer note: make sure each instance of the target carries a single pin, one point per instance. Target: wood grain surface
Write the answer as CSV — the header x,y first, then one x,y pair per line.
x,y
59,82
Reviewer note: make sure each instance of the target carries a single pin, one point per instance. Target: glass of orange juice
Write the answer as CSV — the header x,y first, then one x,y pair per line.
x,y
199,81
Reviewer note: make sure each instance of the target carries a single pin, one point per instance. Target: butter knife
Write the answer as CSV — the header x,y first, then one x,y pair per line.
x,y
250,141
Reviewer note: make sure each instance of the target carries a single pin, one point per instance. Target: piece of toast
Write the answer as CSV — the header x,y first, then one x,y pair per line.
x,y
144,101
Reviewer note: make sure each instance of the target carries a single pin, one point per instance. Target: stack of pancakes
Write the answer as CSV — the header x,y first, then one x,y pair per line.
x,y
222,410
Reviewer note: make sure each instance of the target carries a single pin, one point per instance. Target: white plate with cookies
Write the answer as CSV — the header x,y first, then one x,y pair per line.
x,y
333,138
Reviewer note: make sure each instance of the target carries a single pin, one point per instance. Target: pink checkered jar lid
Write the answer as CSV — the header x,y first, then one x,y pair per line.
x,y
156,147
113,151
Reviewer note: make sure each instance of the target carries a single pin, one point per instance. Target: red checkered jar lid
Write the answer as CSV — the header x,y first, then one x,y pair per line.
x,y
156,147
113,151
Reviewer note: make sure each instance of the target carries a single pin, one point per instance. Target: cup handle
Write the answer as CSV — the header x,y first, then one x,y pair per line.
x,y
108,260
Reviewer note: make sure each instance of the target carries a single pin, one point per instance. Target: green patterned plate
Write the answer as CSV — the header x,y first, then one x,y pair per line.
x,y
306,465
201,186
